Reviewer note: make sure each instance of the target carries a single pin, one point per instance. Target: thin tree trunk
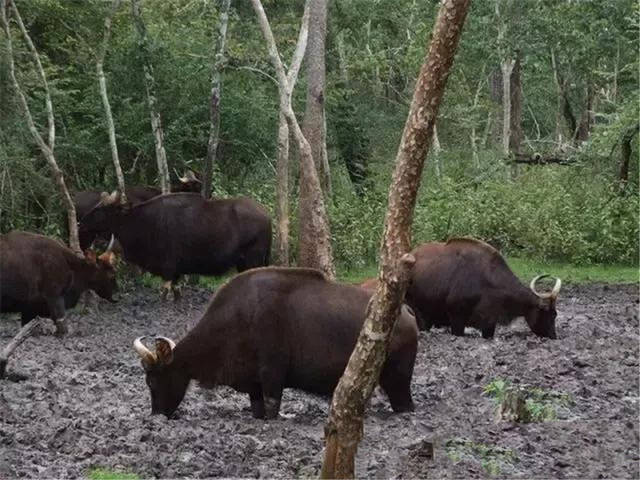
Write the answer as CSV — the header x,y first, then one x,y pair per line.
x,y
315,225
583,129
507,68
344,426
47,148
150,85
313,123
559,100
282,193
216,92
102,83
282,164
625,152
515,132
474,137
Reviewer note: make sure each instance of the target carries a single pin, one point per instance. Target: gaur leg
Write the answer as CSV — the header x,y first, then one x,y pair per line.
x,y
457,326
489,331
254,255
56,312
272,386
257,402
26,316
176,289
395,380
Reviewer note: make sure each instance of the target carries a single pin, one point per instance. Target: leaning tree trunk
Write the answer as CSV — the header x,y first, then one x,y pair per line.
x,y
150,84
314,124
317,249
105,99
282,163
216,91
46,147
344,426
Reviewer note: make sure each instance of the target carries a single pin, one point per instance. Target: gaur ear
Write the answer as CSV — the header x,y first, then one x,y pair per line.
x,y
108,258
90,255
164,350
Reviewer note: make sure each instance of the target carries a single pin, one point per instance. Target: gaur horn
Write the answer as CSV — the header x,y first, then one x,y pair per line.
x,y
147,355
553,294
189,176
171,343
111,242
107,199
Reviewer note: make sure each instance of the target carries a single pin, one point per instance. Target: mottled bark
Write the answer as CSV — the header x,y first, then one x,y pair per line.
x,y
216,92
319,254
152,101
314,124
437,148
102,83
515,130
282,164
344,426
46,147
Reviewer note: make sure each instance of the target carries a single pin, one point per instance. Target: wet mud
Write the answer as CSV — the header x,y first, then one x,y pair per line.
x,y
84,403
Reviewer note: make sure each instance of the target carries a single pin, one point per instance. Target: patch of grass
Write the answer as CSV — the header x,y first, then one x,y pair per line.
x,y
526,269
526,404
105,474
493,459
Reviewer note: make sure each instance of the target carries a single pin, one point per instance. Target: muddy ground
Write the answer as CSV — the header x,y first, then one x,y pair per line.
x,y
85,403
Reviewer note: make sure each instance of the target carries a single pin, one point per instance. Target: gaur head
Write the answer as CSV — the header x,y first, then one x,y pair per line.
x,y
103,277
542,317
167,382
188,183
102,217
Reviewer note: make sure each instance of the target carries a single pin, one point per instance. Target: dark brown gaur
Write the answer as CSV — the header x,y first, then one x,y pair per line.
x,y
182,233
273,328
40,276
467,283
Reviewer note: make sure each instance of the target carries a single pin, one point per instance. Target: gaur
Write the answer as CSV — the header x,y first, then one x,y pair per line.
x,y
40,276
273,328
467,283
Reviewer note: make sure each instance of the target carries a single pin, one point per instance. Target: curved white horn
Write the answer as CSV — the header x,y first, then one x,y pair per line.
x,y
147,355
532,285
111,242
556,289
171,343
191,176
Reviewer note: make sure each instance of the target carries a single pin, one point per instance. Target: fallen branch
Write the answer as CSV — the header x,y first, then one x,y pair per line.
x,y
540,159
22,335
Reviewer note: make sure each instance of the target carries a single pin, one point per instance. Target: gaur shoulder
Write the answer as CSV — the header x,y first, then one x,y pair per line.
x,y
473,242
300,273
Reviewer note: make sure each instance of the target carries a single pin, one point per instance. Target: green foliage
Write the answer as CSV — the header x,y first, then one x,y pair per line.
x,y
492,458
539,405
106,474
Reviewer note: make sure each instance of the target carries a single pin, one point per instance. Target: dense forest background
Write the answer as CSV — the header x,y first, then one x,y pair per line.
x,y
574,120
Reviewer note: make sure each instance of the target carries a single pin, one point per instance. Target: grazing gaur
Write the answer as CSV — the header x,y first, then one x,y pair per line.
x,y
86,200
467,283
40,276
273,328
182,233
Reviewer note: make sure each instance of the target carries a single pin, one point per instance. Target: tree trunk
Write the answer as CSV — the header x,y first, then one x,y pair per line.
x,y
282,193
583,129
515,133
315,227
216,91
150,84
102,83
344,426
282,164
507,68
625,154
47,148
314,124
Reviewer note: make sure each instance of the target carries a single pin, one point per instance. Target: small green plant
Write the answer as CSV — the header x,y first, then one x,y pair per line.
x,y
106,474
493,459
524,403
